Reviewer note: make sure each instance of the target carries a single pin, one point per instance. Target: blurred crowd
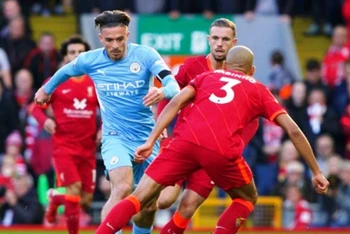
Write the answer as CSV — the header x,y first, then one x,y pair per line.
x,y
318,102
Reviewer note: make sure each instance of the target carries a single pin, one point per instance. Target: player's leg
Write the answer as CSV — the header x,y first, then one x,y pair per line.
x,y
169,196
235,177
119,171
198,188
170,166
87,171
67,173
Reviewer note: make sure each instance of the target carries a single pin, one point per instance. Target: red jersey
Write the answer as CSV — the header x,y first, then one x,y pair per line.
x,y
74,104
303,215
236,99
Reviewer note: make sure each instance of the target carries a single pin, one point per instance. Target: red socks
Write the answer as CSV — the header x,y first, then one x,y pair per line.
x,y
176,225
58,199
71,213
119,216
234,217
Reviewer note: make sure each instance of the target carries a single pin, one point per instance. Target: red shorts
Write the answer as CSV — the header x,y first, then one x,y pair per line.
x,y
182,158
72,168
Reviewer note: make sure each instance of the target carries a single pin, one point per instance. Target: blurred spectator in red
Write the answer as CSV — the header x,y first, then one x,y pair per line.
x,y
24,94
337,54
346,14
313,78
17,44
8,115
44,60
5,69
345,124
302,210
21,204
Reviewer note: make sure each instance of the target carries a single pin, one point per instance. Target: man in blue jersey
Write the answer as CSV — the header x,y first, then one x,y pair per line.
x,y
122,73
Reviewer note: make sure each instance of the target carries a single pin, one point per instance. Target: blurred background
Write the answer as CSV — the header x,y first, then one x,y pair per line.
x,y
302,54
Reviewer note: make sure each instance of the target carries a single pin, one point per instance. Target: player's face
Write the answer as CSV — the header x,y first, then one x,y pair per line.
x,y
114,40
221,40
73,50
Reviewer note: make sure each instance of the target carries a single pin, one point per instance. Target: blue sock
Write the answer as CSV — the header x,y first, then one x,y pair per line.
x,y
139,230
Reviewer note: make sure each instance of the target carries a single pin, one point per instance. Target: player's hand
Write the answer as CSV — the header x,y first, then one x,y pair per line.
x,y
50,126
164,134
153,96
41,97
142,152
320,183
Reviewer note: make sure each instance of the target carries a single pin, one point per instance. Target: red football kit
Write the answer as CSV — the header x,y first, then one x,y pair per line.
x,y
74,105
199,181
210,134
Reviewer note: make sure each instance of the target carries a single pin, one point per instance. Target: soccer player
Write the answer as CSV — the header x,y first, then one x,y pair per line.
x,y
122,73
74,106
223,102
222,37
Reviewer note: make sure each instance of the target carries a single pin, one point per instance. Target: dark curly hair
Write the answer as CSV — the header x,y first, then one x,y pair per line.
x,y
76,39
112,19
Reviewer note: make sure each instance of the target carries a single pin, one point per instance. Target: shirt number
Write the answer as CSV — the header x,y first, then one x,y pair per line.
x,y
230,82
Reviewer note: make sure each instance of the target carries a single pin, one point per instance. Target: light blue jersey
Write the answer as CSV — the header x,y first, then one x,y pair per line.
x,y
120,86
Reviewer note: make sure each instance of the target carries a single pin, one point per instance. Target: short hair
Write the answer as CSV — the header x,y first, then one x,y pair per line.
x,y
108,19
224,23
277,58
75,39
313,64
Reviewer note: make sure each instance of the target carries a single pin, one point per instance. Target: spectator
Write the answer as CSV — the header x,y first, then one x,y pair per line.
x,y
284,8
326,14
43,7
17,44
324,151
178,7
5,69
44,60
341,217
295,176
319,119
24,94
11,10
296,104
313,78
288,154
302,210
8,116
21,205
338,52
280,78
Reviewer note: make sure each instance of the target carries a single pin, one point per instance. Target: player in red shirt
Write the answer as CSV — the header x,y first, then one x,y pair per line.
x,y
221,38
210,137
74,130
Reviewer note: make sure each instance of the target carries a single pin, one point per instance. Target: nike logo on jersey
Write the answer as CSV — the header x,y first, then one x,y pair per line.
x,y
110,226
64,91
79,105
101,72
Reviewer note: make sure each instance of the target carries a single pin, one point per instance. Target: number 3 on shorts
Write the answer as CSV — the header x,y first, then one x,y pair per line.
x,y
228,89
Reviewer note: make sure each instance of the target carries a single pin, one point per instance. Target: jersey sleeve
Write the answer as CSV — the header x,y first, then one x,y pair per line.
x,y
195,82
75,68
181,76
155,62
270,108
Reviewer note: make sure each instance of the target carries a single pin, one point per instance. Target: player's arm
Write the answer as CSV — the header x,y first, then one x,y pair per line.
x,y
159,69
164,119
74,68
38,112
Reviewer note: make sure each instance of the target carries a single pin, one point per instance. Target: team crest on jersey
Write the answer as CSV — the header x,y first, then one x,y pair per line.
x,y
114,160
90,92
135,67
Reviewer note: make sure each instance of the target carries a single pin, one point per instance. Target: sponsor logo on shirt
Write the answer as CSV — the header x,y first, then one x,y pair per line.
x,y
119,89
79,105
79,109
